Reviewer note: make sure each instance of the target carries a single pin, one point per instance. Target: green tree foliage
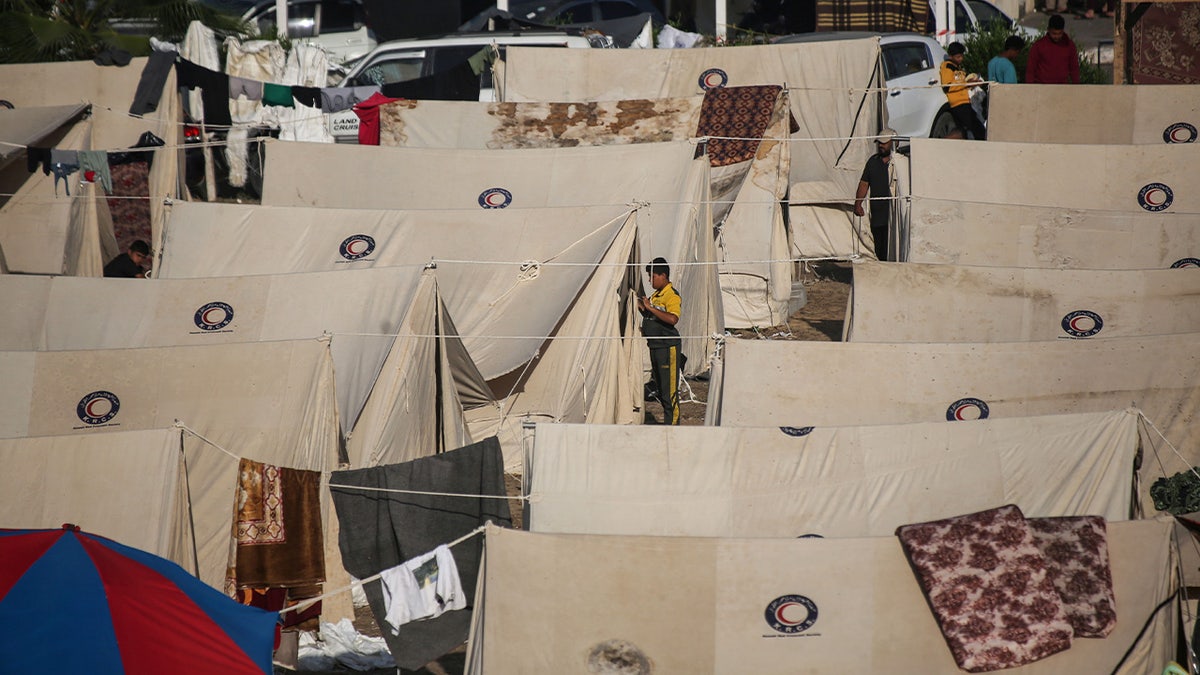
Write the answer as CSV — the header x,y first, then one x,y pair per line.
x,y
989,42
69,30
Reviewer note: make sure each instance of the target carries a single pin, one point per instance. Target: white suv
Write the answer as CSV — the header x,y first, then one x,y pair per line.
x,y
916,105
403,60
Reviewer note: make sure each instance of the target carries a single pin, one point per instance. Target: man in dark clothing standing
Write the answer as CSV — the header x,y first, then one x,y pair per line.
x,y
129,264
660,313
877,182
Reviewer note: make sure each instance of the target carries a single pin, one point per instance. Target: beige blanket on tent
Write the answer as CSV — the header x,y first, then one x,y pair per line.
x,y
746,194
828,85
1123,178
1063,113
683,605
830,481
914,302
1013,235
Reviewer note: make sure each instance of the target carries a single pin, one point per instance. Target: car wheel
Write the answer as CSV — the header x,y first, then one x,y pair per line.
x,y
943,125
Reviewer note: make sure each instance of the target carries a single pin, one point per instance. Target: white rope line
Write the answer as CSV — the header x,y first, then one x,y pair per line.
x,y
181,425
308,602
422,492
185,427
1169,445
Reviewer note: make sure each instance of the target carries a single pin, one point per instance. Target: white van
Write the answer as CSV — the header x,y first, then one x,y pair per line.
x,y
404,60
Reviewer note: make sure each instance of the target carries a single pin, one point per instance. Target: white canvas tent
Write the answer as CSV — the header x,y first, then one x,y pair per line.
x,y
1124,178
1014,235
831,481
272,402
126,485
506,276
597,379
1051,113
21,127
890,383
110,90
916,302
43,230
416,404
361,309
684,605
747,212
829,86
664,178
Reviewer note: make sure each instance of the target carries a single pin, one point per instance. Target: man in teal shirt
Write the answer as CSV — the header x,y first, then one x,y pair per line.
x,y
1001,68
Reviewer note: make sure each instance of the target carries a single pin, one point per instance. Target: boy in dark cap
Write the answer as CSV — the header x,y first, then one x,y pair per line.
x,y
129,264
660,313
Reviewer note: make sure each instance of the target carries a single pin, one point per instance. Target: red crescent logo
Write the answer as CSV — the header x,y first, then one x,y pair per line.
x,y
90,406
208,314
1082,323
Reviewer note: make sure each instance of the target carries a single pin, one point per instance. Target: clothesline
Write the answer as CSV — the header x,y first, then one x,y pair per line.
x,y
180,425
308,602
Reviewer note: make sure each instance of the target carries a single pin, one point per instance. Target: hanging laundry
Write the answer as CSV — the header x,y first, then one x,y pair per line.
x,y
278,537
252,90
150,85
37,156
382,530
214,88
94,165
309,96
422,588
368,116
337,99
63,163
277,94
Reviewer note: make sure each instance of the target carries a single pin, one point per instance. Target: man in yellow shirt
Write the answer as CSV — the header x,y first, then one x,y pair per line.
x,y
954,82
660,313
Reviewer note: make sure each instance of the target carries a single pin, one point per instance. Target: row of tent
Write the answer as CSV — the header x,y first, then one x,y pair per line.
x,y
226,344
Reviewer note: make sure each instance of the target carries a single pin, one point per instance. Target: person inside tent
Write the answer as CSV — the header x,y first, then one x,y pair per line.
x,y
129,264
876,181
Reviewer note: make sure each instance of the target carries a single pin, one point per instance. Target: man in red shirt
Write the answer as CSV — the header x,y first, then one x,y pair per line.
x,y
1053,59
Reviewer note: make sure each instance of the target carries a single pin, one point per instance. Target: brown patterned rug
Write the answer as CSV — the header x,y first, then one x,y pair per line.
x,y
1166,44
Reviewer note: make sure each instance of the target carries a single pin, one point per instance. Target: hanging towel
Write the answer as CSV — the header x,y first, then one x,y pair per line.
x,y
150,85
214,87
35,157
240,86
337,99
309,96
382,530
277,94
422,588
96,162
368,118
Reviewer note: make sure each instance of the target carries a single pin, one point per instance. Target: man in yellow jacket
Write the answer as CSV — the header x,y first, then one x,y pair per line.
x,y
660,313
958,92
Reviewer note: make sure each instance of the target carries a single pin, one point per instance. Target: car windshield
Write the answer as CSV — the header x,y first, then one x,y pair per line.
x,y
986,13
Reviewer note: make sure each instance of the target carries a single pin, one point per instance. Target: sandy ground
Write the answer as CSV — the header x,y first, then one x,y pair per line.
x,y
828,288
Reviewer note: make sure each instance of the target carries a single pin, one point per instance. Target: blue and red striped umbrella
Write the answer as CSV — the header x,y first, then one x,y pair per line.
x,y
77,602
